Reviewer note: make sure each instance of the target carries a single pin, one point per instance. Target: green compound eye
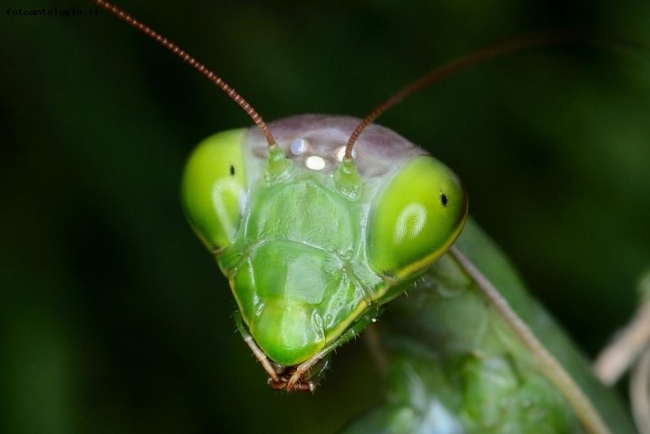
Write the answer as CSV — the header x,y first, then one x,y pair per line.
x,y
416,219
213,190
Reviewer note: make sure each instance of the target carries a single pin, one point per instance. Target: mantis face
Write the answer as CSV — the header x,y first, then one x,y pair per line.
x,y
313,246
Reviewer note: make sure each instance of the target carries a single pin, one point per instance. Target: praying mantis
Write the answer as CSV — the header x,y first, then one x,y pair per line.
x,y
218,237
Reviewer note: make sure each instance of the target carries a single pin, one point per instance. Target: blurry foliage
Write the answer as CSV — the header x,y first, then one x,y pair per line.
x,y
113,318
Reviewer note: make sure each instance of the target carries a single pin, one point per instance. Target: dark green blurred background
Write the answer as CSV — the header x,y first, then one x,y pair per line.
x,y
113,318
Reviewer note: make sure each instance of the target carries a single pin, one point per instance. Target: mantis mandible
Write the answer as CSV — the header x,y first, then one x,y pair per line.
x,y
320,221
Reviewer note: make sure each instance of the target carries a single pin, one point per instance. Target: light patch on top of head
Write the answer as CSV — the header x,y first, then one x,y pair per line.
x,y
340,153
315,163
304,149
300,147
316,157
304,152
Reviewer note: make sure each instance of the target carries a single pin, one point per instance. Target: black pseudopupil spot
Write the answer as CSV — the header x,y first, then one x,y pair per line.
x,y
232,170
443,199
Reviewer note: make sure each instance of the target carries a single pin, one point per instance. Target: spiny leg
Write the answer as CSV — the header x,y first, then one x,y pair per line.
x,y
629,343
553,370
631,349
640,393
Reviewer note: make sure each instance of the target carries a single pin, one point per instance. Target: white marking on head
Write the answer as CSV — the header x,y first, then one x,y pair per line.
x,y
315,163
300,146
340,153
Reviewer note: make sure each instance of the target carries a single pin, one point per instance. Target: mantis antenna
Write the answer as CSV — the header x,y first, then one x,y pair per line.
x,y
232,93
543,39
